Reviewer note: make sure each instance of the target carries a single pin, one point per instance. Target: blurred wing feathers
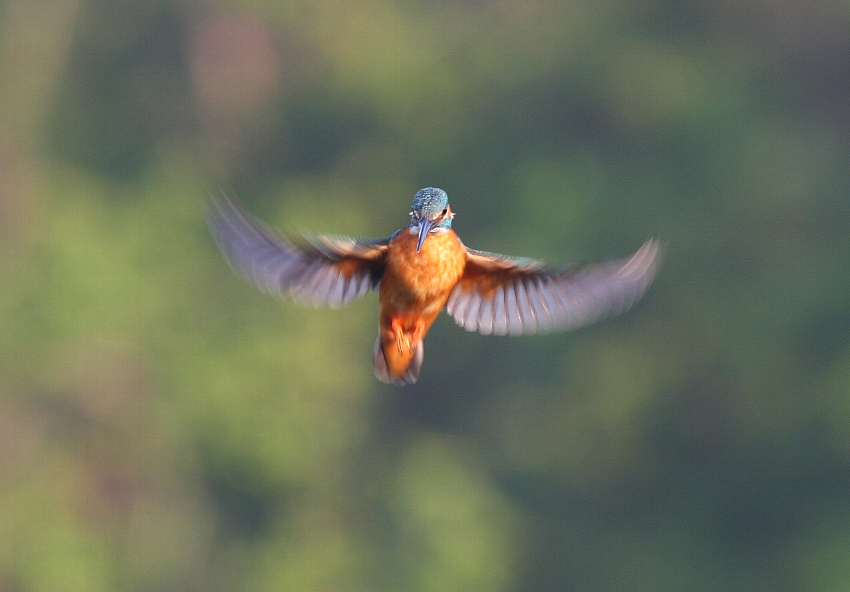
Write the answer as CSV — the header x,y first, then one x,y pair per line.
x,y
500,295
324,270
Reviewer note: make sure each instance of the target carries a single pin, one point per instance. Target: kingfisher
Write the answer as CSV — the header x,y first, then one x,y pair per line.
x,y
423,268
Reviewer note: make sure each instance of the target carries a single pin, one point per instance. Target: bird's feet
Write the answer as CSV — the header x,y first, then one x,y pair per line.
x,y
406,340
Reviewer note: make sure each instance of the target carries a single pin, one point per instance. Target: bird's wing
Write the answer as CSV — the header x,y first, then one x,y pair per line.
x,y
500,295
324,270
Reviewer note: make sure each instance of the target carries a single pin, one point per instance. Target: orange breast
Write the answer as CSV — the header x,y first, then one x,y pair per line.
x,y
420,281
414,289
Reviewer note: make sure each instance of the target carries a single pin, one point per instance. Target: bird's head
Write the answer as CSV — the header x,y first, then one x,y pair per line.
x,y
431,211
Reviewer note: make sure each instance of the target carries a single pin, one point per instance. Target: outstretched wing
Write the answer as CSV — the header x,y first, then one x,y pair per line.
x,y
324,270
501,295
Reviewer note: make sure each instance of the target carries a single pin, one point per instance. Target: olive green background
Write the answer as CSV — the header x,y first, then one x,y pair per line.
x,y
165,427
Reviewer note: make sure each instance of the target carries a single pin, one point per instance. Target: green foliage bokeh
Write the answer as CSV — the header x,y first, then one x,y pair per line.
x,y
163,426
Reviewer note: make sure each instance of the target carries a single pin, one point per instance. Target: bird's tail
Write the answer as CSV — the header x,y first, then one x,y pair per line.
x,y
407,376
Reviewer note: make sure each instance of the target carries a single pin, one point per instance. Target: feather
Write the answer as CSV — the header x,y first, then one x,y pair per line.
x,y
523,296
382,371
322,270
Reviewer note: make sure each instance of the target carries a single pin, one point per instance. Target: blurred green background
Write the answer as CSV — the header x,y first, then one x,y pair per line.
x,y
165,427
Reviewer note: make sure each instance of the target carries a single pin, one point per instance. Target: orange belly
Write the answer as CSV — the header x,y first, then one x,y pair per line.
x,y
414,289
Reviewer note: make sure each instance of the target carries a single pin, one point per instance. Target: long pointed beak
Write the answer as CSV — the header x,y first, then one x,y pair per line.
x,y
425,226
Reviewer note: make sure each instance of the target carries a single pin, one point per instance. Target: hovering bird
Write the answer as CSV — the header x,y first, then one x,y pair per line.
x,y
423,268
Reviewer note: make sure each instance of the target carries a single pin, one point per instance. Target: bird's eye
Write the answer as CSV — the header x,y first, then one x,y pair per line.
x,y
445,210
